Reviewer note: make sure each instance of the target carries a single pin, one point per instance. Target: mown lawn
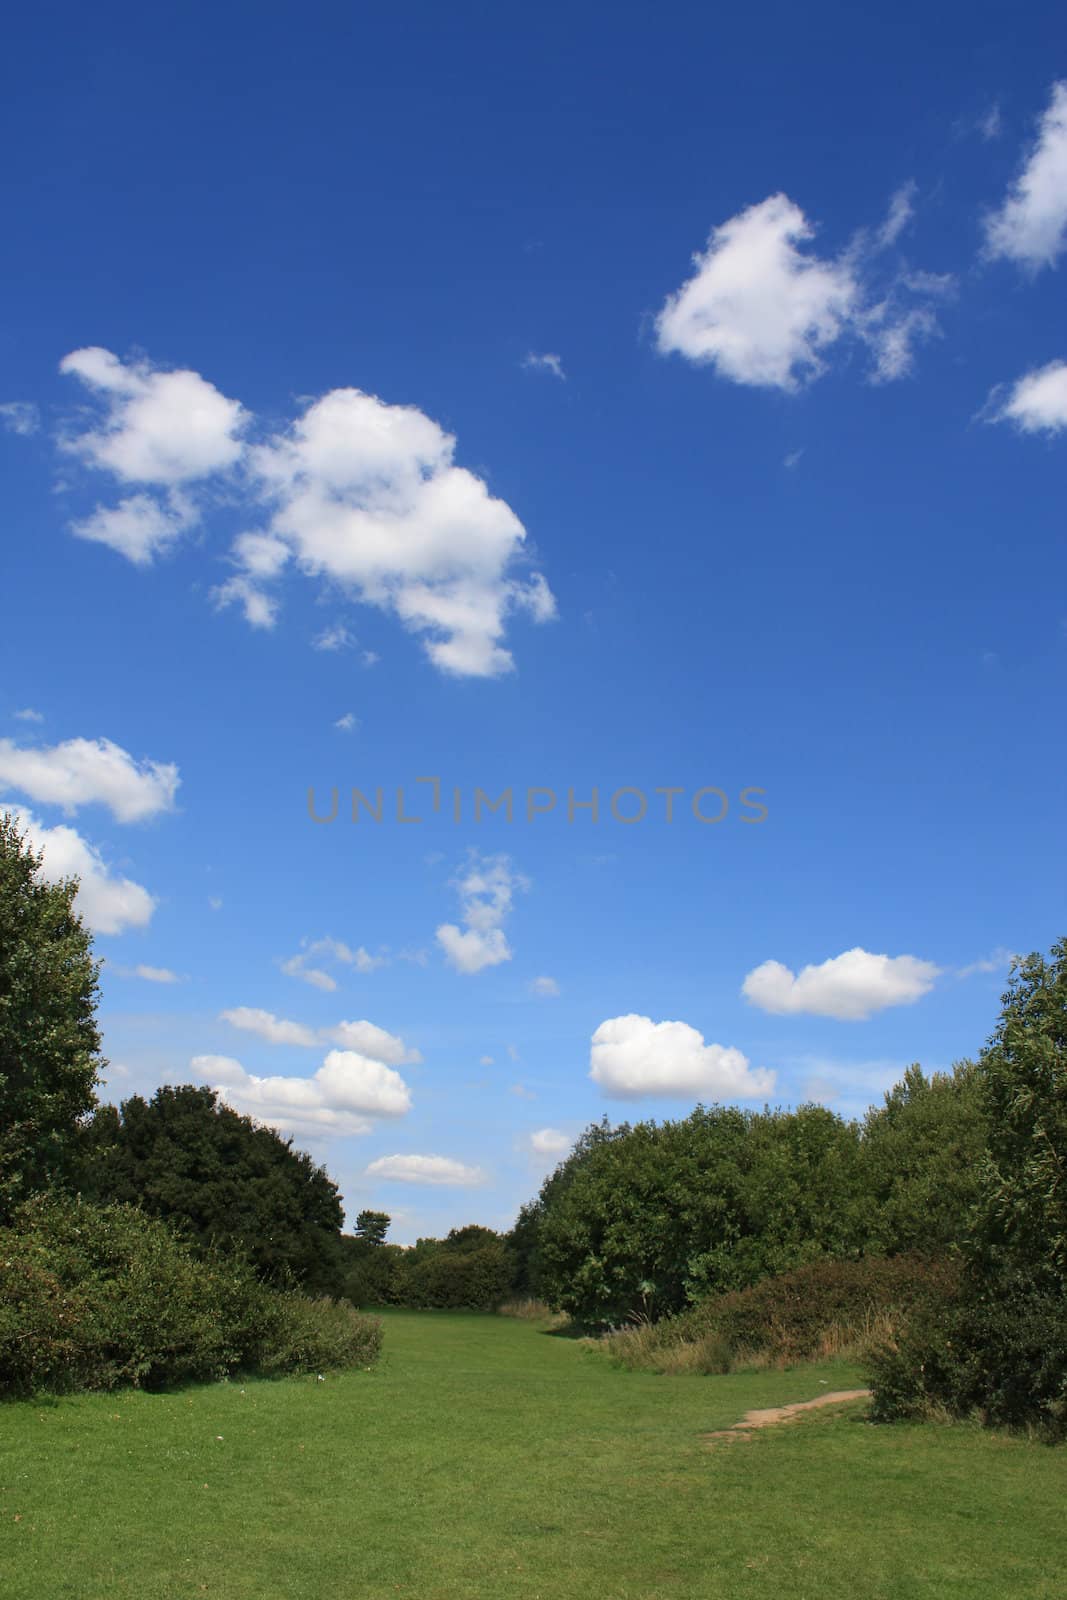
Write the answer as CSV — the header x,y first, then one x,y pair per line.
x,y
485,1458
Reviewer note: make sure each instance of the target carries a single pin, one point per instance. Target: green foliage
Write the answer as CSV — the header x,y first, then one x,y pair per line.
x,y
225,1180
1021,1222
803,1315
49,1044
650,1217
999,1349
922,1158
372,1227
99,1297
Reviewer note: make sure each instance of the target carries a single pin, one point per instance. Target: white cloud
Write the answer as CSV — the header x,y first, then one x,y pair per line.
x,y
336,637
426,1169
757,307
545,363
1031,225
522,1092
848,987
485,1061
275,1030
633,1056
108,903
158,427
363,494
83,772
370,658
370,1040
550,1142
1000,960
365,1038
335,950
348,723
901,210
763,309
367,495
155,974
28,714
486,890
140,527
20,416
545,987
215,902
346,1090
792,459
1037,402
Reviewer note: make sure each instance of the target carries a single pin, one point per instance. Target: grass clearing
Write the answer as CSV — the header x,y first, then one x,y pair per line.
x,y
484,1457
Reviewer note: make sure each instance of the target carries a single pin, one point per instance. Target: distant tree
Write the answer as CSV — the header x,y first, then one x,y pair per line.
x,y
372,1227
49,1043
224,1179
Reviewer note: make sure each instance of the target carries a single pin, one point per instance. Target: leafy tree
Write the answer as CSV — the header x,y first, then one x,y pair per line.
x,y
226,1180
922,1157
1000,1347
372,1227
1021,1225
660,1214
49,1043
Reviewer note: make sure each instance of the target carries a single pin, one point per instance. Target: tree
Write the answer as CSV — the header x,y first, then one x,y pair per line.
x,y
1000,1347
224,1179
49,1044
922,1159
372,1227
1021,1223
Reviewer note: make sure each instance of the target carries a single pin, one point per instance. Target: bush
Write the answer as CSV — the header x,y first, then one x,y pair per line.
x,y
1001,1357
98,1297
473,1280
811,1312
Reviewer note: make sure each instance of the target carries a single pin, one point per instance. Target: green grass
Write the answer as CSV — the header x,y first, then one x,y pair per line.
x,y
484,1458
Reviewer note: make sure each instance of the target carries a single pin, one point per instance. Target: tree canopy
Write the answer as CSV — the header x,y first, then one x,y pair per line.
x,y
226,1180
49,1044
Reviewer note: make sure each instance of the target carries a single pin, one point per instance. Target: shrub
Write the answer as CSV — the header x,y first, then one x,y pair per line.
x,y
1000,1356
475,1280
97,1297
810,1312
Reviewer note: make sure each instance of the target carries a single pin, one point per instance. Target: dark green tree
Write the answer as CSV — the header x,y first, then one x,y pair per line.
x,y
372,1227
225,1180
922,1158
49,1044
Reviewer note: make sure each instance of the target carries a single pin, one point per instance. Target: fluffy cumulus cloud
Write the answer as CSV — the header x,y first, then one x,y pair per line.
x,y
155,974
426,1169
1037,403
83,772
365,1038
549,1142
155,429
633,1057
340,1098
486,890
367,495
763,308
108,902
849,987
759,306
1031,226
360,494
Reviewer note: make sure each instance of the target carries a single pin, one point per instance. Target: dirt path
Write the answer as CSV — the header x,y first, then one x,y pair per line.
x,y
764,1419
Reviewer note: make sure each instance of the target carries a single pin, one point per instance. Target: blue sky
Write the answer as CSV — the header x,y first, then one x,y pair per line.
x,y
558,402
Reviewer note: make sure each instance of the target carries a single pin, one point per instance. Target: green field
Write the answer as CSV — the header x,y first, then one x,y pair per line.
x,y
484,1457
